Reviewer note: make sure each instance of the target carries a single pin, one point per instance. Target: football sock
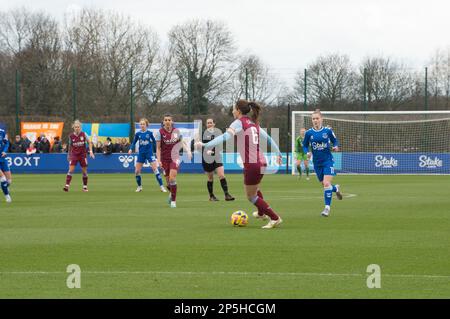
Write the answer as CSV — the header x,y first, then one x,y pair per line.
x,y
264,207
209,185
68,178
299,170
334,188
260,195
4,185
327,193
307,171
139,180
224,184
85,179
158,177
173,190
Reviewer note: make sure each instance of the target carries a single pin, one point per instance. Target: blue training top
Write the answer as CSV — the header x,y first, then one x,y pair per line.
x,y
145,142
320,141
4,144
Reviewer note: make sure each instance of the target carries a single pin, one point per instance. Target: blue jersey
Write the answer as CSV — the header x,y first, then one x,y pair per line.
x,y
4,144
320,141
146,141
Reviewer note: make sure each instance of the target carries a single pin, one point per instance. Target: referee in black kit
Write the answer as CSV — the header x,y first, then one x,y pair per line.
x,y
212,162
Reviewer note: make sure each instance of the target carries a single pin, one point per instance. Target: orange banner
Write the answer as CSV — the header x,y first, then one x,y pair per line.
x,y
34,129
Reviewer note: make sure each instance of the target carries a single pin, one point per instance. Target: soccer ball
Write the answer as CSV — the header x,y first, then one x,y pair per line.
x,y
239,218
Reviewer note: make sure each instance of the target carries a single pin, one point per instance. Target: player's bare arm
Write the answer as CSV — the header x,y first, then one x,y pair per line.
x,y
158,153
91,152
69,149
186,148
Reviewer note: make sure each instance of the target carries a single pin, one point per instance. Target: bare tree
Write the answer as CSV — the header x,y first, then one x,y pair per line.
x,y
253,78
203,51
331,80
32,41
389,84
106,47
439,77
15,30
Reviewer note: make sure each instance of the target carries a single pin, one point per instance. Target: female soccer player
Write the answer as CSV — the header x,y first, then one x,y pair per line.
x,y
212,162
76,152
168,143
146,142
5,172
5,185
246,128
319,138
300,155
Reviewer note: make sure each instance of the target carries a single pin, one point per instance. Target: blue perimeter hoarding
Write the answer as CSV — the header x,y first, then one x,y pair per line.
x,y
114,163
363,163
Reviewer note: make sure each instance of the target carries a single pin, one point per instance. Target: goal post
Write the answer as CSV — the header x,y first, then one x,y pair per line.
x,y
384,142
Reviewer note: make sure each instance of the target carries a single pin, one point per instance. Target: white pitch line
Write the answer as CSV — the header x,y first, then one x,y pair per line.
x,y
230,273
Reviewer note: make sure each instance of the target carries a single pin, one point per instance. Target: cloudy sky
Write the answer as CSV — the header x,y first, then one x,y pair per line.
x,y
289,34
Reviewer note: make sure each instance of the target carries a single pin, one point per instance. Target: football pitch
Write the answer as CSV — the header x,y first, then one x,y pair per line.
x,y
132,245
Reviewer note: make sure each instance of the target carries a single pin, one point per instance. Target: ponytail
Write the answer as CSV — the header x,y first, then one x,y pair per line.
x,y
256,108
245,107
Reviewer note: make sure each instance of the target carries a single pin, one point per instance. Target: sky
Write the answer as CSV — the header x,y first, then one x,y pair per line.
x,y
289,34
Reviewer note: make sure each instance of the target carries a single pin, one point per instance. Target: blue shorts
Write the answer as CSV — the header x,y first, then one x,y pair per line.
x,y
4,167
146,157
327,169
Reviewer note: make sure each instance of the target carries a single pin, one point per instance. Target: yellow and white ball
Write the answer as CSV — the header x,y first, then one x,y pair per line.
x,y
239,218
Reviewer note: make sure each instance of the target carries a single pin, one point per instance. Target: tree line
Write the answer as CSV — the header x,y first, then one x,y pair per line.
x,y
98,60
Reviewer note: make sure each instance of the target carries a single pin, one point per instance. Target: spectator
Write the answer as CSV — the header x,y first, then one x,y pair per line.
x,y
31,149
26,142
64,148
57,145
37,142
116,147
98,147
17,146
124,146
42,144
108,147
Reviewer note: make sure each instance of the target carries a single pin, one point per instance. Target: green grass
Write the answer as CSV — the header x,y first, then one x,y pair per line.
x,y
131,245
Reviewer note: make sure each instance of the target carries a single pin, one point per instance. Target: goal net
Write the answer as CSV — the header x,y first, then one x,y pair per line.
x,y
415,142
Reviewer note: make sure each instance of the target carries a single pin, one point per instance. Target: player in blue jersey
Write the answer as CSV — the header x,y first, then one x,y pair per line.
x,y
320,139
5,172
146,141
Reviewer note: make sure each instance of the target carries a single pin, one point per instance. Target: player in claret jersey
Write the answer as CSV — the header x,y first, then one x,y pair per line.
x,y
146,141
320,139
246,128
169,141
76,152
